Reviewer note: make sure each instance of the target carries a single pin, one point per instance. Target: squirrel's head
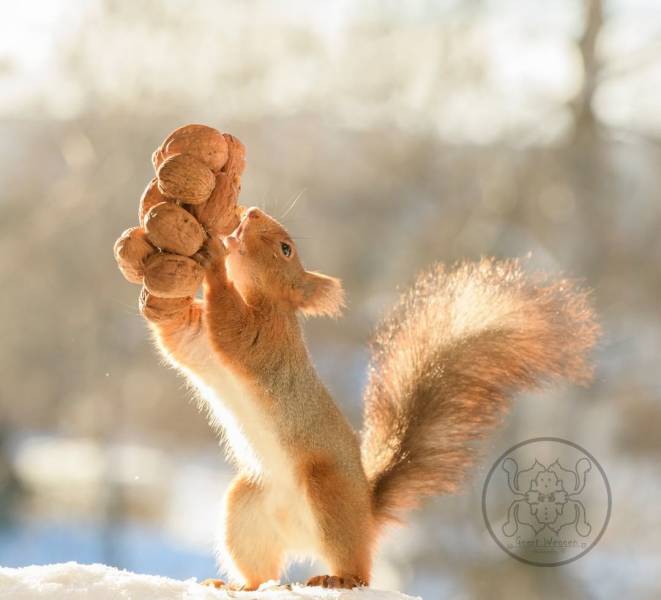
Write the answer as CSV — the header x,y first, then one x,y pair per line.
x,y
263,260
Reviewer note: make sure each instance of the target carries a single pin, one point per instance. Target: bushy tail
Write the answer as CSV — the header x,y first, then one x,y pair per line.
x,y
447,359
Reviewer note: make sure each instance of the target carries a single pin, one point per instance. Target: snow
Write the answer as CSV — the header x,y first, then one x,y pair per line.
x,y
73,581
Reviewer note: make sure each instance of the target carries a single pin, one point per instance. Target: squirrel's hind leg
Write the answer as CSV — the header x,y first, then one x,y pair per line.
x,y
341,505
252,546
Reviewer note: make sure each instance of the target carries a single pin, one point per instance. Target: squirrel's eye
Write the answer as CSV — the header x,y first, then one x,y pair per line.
x,y
286,249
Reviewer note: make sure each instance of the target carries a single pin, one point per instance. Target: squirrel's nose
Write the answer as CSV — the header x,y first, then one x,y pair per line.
x,y
253,213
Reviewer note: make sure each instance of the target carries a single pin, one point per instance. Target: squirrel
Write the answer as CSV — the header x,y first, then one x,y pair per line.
x,y
445,363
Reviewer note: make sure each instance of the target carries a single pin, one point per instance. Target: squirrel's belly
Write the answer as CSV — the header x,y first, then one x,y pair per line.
x,y
250,434
254,445
292,518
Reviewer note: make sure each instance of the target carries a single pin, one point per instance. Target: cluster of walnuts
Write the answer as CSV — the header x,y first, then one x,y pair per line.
x,y
194,195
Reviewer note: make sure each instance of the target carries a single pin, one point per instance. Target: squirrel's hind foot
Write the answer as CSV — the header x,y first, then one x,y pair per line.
x,y
333,581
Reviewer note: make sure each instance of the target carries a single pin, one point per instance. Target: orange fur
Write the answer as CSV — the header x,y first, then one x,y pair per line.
x,y
170,333
266,350
445,362
341,503
251,539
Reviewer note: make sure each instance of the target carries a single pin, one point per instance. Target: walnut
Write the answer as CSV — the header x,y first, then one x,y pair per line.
x,y
131,251
184,178
159,310
219,213
197,184
206,144
150,197
236,161
173,229
172,276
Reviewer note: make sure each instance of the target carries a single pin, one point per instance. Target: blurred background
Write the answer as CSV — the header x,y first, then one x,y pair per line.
x,y
410,132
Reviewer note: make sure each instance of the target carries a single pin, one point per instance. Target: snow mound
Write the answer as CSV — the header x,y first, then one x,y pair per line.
x,y
73,581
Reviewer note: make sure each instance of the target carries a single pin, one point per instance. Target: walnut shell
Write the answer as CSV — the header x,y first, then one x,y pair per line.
x,y
157,158
150,197
182,177
204,143
218,214
159,310
173,229
131,251
236,161
172,276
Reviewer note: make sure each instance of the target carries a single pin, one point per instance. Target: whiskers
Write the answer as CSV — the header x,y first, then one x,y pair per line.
x,y
265,201
266,232
292,205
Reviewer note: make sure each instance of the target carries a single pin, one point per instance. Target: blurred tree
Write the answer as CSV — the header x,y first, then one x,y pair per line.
x,y
584,118
12,492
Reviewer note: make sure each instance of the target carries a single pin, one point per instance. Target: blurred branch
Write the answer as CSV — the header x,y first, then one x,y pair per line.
x,y
584,119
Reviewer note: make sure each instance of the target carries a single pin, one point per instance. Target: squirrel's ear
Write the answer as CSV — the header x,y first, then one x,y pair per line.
x,y
320,295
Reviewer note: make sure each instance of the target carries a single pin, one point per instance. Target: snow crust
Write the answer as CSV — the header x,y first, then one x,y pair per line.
x,y
74,581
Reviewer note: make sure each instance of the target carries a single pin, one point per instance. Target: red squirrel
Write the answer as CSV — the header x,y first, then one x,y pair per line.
x,y
445,362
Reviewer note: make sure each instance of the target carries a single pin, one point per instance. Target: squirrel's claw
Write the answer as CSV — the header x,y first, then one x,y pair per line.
x,y
219,584
216,583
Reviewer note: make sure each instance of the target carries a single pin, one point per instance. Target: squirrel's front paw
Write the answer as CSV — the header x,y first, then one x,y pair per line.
x,y
210,254
219,584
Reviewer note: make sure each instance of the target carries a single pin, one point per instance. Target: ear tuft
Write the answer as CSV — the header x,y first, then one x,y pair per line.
x,y
321,295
